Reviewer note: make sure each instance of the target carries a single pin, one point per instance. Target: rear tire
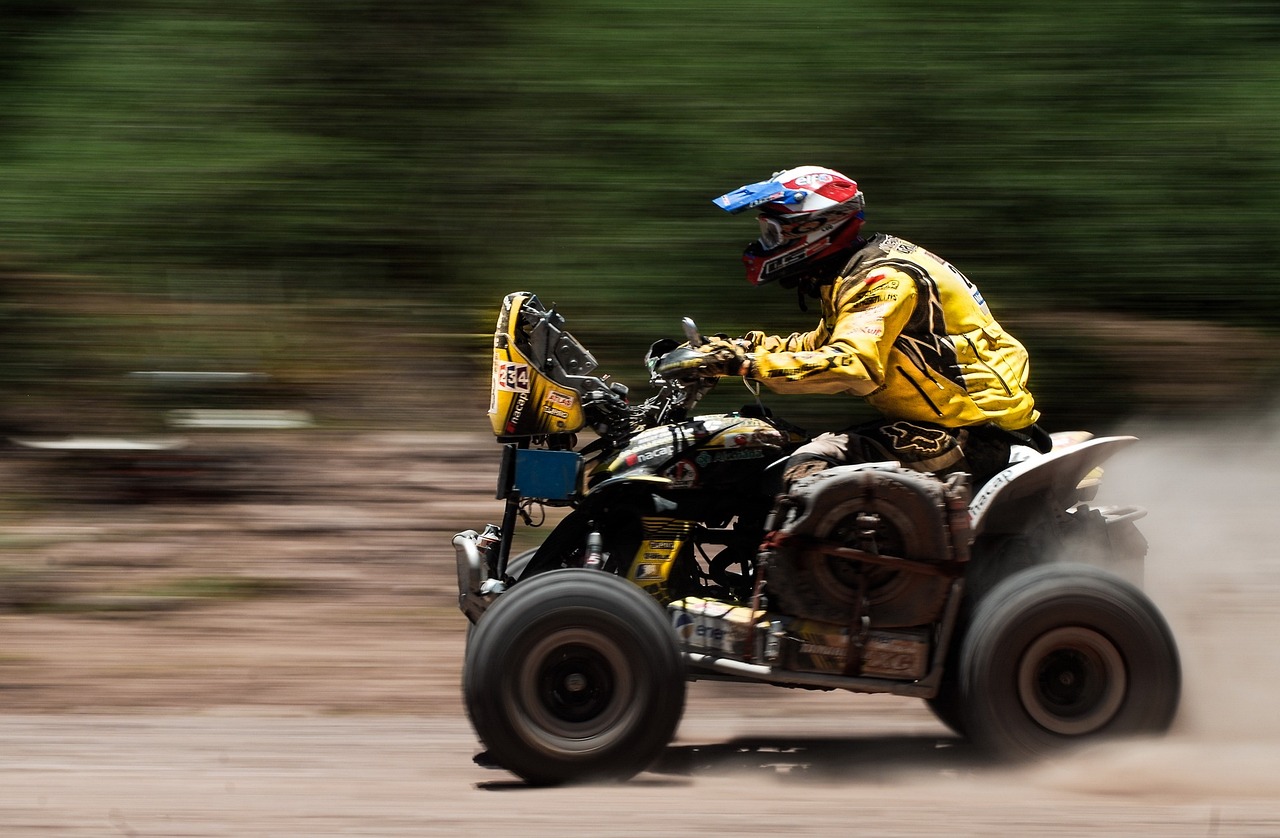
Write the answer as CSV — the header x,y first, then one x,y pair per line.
x,y
574,675
1061,653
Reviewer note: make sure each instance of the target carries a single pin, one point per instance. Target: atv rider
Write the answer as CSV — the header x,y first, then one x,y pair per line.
x,y
900,327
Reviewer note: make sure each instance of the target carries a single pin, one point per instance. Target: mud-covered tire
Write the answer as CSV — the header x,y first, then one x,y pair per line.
x,y
574,675
897,510
1062,653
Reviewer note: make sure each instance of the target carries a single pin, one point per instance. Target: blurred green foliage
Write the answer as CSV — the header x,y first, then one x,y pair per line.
x,y
430,156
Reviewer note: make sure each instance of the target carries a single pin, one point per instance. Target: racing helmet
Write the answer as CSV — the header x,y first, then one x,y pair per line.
x,y
807,214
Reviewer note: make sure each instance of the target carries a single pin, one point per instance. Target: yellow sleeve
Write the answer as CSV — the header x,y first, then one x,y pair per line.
x,y
798,342
850,356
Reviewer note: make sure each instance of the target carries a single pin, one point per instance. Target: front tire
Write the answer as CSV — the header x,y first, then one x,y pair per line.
x,y
948,705
574,675
515,569
1061,653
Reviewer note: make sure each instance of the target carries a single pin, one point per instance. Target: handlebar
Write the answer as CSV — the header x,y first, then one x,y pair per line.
x,y
681,376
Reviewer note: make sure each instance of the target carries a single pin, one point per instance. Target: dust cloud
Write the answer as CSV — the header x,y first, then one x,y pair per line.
x,y
1213,568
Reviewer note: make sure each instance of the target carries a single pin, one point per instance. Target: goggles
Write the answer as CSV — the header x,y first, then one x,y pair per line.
x,y
775,232
771,233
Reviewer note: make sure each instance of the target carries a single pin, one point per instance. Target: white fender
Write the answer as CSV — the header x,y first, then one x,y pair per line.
x,y
997,506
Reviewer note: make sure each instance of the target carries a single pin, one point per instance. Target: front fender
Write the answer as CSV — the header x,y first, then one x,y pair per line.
x,y
632,481
1002,504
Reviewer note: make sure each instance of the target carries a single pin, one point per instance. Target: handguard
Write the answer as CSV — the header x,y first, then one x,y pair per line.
x,y
719,356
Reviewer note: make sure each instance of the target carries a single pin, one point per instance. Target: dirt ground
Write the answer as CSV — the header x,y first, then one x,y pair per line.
x,y
258,636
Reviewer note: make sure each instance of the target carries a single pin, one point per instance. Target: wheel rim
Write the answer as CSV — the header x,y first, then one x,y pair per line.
x,y
574,692
1072,681
840,578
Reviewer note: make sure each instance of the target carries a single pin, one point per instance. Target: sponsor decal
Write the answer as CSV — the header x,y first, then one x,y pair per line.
x,y
521,401
784,260
929,442
969,286
884,293
707,457
642,457
882,661
882,280
744,439
649,571
890,244
683,474
816,225
767,199
560,399
706,633
813,181
684,625
989,491
511,377
818,649
551,410
700,431
870,320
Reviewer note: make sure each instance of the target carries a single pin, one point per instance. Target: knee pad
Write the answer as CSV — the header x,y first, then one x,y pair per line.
x,y
803,465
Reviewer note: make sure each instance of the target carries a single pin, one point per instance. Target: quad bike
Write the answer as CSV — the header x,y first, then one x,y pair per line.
x,y
1013,610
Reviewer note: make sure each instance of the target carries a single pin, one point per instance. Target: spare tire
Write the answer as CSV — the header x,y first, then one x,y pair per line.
x,y
901,513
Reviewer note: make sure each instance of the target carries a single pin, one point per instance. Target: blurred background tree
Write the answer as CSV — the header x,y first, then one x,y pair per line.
x,y
338,194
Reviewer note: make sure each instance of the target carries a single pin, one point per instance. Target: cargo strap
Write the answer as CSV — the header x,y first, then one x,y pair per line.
x,y
859,626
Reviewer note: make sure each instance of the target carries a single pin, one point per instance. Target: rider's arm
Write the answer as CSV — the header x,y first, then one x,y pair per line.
x,y
798,342
850,357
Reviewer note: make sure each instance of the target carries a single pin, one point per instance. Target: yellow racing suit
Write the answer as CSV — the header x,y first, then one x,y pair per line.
x,y
909,333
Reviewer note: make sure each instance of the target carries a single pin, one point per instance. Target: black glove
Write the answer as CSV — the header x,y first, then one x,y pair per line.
x,y
728,355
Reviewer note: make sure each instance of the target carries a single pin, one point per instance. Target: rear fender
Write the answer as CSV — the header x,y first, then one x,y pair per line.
x,y
1003,503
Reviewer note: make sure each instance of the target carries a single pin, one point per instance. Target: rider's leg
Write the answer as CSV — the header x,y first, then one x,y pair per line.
x,y
916,445
819,454
981,451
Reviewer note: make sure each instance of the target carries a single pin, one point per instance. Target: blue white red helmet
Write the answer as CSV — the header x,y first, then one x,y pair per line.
x,y
806,214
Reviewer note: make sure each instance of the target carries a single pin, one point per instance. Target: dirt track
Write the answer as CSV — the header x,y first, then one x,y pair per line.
x,y
281,658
